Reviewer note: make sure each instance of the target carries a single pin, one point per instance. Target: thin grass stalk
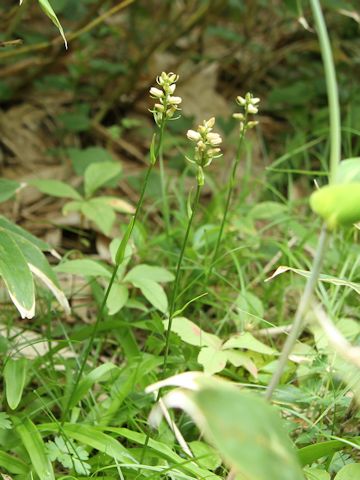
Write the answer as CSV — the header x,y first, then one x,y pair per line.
x,y
119,259
335,153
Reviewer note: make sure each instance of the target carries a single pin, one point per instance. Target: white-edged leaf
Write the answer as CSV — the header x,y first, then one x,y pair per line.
x,y
47,8
149,272
84,268
17,275
153,292
322,277
14,376
40,267
56,188
247,341
97,174
117,298
100,213
12,228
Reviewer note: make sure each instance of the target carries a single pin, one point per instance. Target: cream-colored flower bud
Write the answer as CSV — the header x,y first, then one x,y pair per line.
x,y
255,101
210,123
252,124
193,135
238,116
156,92
241,100
174,100
172,77
252,109
159,107
171,88
213,138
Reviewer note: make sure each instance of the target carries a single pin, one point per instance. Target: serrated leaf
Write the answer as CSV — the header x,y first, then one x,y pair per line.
x,y
35,447
249,342
47,8
117,298
149,272
84,268
98,174
153,292
16,275
14,376
56,188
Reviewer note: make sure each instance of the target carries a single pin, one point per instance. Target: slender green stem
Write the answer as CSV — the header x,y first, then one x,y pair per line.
x,y
122,247
331,86
335,152
172,305
230,189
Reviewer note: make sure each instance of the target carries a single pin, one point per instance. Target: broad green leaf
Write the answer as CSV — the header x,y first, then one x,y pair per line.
x,y
14,376
249,307
47,8
249,342
40,267
190,333
267,210
316,474
90,379
338,205
212,360
117,204
13,464
100,213
81,159
245,429
84,268
349,472
322,277
348,171
98,174
153,292
117,298
35,447
309,454
56,188
149,272
8,188
17,275
241,359
74,206
206,456
12,228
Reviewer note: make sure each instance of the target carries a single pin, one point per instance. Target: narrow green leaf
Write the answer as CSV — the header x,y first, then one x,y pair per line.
x,y
309,454
98,174
12,228
120,254
12,464
56,188
349,472
35,447
16,275
47,8
14,376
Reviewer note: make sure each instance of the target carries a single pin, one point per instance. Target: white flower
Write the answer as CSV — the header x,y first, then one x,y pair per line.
x,y
213,138
252,109
156,92
174,100
172,88
255,101
193,135
241,101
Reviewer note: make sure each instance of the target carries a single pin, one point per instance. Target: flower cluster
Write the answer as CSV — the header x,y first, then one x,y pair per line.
x,y
250,105
207,146
167,104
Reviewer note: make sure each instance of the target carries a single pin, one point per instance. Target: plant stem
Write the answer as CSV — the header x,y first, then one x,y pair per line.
x,y
298,323
331,87
122,247
230,189
335,152
172,304
164,196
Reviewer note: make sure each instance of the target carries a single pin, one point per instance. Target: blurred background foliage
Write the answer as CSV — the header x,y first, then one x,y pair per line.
x,y
61,107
